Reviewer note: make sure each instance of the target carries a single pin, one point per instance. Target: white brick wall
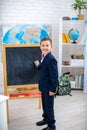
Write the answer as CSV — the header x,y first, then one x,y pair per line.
x,y
37,12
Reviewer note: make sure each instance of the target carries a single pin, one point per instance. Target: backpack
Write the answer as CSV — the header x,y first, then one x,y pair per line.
x,y
64,85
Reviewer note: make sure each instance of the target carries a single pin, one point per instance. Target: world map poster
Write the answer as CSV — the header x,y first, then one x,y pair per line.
x,y
25,33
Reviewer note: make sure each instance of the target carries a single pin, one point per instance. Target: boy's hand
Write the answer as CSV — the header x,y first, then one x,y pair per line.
x,y
36,63
51,93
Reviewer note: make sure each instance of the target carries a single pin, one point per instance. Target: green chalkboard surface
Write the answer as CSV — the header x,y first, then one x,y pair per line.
x,y
20,65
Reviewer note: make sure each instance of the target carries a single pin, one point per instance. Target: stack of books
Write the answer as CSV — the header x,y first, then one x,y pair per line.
x,y
77,81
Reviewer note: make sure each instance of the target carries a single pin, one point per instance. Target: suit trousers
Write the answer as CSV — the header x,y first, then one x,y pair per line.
x,y
48,109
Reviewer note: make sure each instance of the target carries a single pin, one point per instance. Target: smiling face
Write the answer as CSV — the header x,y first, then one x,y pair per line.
x,y
45,47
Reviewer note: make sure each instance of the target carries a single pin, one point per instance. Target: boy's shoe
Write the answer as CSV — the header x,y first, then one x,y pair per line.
x,y
40,123
48,128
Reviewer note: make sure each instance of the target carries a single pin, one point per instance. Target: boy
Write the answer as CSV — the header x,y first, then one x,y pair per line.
x,y
47,83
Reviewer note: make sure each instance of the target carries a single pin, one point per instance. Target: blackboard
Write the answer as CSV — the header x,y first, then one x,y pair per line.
x,y
20,66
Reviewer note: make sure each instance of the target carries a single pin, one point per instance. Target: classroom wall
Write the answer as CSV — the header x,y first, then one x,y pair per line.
x,y
36,12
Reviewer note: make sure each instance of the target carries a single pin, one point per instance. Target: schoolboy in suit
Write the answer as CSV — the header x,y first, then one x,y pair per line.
x,y
47,83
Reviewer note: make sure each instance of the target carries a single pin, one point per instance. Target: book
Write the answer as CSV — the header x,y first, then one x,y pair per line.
x,y
65,38
76,81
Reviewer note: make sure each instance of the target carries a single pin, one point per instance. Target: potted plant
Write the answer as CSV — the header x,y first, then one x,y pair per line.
x,y
79,5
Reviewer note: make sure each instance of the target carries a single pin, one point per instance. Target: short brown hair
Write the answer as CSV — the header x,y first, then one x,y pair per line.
x,y
46,39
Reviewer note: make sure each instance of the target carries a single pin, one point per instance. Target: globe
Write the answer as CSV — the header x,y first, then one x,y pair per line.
x,y
73,35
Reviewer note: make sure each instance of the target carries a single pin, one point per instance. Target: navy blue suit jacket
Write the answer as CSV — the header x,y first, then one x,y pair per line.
x,y
48,74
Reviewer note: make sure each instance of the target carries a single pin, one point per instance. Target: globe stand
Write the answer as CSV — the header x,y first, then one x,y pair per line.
x,y
74,42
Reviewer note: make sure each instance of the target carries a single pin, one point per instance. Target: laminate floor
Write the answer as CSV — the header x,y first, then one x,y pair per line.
x,y
70,113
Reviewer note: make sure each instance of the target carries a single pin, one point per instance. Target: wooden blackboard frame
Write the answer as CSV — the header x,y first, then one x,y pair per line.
x,y
22,89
